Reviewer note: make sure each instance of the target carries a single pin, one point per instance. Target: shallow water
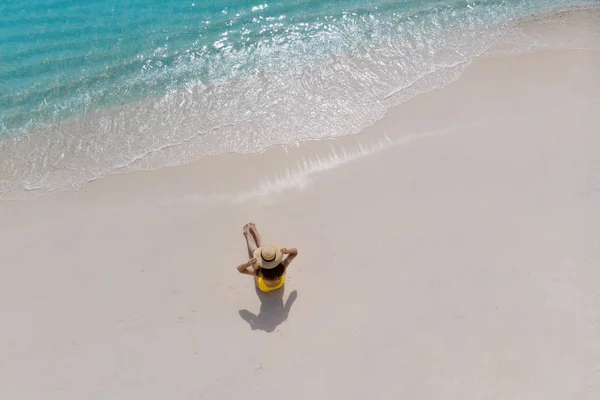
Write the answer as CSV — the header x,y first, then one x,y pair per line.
x,y
88,88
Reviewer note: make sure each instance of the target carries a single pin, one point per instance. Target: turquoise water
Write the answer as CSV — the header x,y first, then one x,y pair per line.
x,y
87,88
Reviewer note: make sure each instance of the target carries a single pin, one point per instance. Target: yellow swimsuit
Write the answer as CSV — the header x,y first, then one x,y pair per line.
x,y
263,286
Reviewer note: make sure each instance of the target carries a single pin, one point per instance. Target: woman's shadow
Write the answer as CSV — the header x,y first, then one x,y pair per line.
x,y
272,310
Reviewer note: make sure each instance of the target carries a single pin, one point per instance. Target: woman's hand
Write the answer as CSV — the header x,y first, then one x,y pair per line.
x,y
243,268
289,251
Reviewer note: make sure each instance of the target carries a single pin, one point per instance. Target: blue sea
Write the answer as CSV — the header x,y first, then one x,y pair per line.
x,y
92,87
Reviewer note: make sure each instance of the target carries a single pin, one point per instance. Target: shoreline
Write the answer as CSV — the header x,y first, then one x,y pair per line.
x,y
537,35
282,168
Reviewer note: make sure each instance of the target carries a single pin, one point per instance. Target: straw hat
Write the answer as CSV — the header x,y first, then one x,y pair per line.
x,y
268,256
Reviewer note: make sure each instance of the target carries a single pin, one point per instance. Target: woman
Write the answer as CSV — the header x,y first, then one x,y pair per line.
x,y
267,262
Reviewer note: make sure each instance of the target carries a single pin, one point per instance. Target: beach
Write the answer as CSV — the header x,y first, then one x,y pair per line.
x,y
448,251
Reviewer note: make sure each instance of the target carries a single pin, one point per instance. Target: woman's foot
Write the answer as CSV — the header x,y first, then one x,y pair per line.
x,y
246,230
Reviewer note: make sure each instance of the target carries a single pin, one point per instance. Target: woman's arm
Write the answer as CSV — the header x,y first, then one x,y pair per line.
x,y
291,254
243,268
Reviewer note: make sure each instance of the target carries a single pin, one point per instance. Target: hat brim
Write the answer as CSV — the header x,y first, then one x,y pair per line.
x,y
268,264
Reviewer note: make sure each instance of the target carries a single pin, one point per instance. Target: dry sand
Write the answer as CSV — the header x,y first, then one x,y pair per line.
x,y
455,257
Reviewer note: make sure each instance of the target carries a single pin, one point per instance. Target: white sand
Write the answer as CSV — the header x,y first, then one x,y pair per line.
x,y
461,263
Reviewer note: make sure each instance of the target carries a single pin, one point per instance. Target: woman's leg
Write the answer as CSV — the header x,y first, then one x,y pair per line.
x,y
250,241
254,232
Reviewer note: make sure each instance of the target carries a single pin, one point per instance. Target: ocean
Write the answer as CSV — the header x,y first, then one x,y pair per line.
x,y
88,88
